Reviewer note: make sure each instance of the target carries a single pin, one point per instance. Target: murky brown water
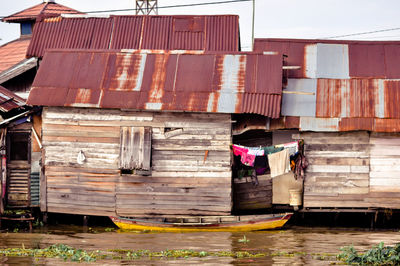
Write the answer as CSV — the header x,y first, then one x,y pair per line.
x,y
307,240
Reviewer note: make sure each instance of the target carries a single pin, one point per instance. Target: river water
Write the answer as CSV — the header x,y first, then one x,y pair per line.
x,y
307,245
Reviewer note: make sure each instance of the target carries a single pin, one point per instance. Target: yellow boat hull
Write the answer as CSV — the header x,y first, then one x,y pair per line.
x,y
258,223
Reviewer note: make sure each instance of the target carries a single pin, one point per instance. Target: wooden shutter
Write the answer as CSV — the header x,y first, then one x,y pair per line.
x,y
135,151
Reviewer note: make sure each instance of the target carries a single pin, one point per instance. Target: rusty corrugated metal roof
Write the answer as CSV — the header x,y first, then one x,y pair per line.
x,y
45,8
207,33
174,81
358,98
366,59
358,83
9,100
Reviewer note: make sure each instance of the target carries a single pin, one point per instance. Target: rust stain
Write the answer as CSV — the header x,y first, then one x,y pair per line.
x,y
191,102
241,82
83,96
387,125
122,76
392,98
359,123
172,82
158,78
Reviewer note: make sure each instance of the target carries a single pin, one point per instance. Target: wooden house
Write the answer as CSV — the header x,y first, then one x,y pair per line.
x,y
138,133
346,110
201,142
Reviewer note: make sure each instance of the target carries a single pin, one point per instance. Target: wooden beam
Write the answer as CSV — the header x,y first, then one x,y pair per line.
x,y
291,67
298,92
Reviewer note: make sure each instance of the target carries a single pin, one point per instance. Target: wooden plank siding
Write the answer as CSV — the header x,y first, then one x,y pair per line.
x,y
183,180
352,170
248,196
385,162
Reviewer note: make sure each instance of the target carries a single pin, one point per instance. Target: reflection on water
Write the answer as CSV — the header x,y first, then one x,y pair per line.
x,y
300,240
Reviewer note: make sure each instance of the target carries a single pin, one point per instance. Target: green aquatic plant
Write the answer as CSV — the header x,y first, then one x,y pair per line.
x,y
54,251
243,240
68,253
377,255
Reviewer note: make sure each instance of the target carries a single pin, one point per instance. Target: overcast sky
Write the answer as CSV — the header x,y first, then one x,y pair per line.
x,y
274,19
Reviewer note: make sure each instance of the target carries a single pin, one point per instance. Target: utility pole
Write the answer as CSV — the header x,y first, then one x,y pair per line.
x,y
146,7
252,28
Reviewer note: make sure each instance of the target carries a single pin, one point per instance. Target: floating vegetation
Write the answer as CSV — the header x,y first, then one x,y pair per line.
x,y
54,251
78,255
243,240
377,255
68,253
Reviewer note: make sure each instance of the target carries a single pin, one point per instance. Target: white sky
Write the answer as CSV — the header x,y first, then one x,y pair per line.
x,y
274,19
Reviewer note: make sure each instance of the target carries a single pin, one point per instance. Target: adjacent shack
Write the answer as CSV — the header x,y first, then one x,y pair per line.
x,y
20,153
345,107
138,133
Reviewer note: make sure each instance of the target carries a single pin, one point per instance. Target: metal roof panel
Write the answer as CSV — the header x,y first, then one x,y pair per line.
x,y
207,33
209,82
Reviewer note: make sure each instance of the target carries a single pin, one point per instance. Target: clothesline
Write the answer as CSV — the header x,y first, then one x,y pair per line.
x,y
278,155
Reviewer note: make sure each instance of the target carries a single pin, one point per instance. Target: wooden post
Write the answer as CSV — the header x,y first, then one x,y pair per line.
x,y
85,220
43,184
45,217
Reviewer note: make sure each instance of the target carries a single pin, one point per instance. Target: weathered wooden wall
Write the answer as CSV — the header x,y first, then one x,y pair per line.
x,y
352,170
248,196
191,171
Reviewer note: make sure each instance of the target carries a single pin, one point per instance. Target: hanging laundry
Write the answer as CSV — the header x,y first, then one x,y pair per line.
x,y
301,162
246,158
293,147
272,149
238,149
256,151
279,162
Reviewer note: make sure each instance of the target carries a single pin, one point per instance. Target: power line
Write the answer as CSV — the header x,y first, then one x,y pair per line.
x,y
379,37
361,33
160,7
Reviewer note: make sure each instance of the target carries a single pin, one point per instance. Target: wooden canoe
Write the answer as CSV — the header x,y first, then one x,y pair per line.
x,y
206,223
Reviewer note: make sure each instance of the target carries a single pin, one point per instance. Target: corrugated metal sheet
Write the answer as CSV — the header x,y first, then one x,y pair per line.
x,y
332,61
80,33
387,125
207,82
319,124
360,98
299,104
392,98
352,124
127,32
208,33
9,100
366,59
